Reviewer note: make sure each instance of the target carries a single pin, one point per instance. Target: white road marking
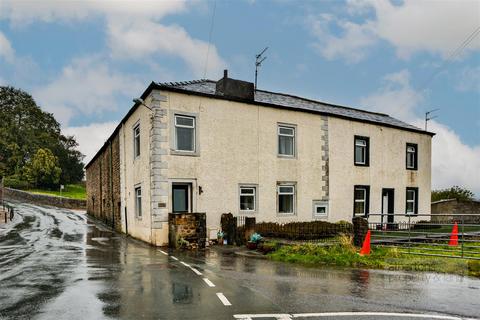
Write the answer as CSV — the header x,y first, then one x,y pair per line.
x,y
278,316
210,283
198,273
185,264
282,316
174,258
223,299
163,252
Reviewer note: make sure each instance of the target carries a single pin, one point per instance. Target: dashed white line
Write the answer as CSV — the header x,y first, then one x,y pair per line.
x,y
163,252
198,273
210,283
185,264
223,299
174,258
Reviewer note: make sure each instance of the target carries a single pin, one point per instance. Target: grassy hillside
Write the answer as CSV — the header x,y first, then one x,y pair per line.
x,y
73,191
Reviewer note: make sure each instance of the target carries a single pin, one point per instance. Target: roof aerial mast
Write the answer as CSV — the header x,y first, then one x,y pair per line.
x,y
258,62
428,117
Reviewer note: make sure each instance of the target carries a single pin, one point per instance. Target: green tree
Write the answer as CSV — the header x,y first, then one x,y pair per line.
x,y
42,170
25,128
454,192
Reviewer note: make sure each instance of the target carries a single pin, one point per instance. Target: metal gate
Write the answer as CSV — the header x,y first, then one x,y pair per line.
x,y
441,235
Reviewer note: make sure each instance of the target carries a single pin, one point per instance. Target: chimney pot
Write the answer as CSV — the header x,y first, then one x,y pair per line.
x,y
225,73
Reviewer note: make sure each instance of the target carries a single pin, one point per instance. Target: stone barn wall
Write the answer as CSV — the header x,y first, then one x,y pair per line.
x,y
103,185
454,206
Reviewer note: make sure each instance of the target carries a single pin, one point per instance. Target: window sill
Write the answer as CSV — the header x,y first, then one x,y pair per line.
x,y
184,153
285,156
280,214
361,164
247,212
412,169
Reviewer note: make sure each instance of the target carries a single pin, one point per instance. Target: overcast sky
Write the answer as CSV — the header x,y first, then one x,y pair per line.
x,y
84,61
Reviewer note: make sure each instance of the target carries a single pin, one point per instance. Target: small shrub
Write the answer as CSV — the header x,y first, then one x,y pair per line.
x,y
268,247
16,182
474,267
346,242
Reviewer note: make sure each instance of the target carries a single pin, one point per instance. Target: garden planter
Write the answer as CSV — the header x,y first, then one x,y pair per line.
x,y
251,245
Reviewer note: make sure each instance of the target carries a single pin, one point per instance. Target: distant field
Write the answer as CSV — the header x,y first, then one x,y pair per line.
x,y
73,191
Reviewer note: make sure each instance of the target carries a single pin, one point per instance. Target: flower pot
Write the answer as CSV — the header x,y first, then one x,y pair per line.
x,y
251,245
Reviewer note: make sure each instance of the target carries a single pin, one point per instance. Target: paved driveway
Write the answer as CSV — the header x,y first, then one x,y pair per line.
x,y
59,264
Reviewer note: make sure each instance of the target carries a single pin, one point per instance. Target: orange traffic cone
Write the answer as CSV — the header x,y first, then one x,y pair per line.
x,y
454,236
366,245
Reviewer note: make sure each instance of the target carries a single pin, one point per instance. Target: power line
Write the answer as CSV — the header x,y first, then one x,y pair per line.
x,y
210,38
452,55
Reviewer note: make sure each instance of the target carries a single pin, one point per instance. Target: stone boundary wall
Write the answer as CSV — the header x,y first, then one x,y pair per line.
x,y
190,227
61,202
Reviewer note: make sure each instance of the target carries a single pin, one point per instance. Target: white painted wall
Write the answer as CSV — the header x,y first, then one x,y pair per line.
x,y
387,166
238,145
136,172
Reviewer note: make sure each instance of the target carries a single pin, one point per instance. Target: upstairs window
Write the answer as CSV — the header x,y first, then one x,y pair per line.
x,y
136,141
361,151
361,199
412,156
286,199
138,202
286,141
247,198
411,203
184,133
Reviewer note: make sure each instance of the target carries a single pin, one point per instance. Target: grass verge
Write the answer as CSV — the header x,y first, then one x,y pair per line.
x,y
344,254
73,191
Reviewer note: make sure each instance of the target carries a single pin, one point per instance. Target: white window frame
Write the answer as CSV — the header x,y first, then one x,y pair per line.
x,y
319,204
414,153
363,148
138,202
364,200
254,194
413,191
185,126
292,193
136,145
293,136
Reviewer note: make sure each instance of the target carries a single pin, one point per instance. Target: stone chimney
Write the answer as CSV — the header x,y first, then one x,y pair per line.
x,y
236,89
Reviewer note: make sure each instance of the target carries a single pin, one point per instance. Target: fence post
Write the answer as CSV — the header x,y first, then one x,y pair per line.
x,y
463,227
409,229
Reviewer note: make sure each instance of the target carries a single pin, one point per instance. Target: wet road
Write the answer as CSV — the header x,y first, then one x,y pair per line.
x,y
59,264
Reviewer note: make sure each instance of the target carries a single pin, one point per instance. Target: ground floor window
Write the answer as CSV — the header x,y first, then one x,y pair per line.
x,y
320,209
247,198
361,195
286,198
411,204
138,201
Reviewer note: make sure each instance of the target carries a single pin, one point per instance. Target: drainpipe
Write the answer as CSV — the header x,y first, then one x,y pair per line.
x,y
111,186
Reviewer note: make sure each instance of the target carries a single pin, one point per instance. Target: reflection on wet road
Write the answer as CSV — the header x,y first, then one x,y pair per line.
x,y
59,264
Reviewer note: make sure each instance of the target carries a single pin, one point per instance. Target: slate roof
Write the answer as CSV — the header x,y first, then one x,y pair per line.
x,y
207,87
